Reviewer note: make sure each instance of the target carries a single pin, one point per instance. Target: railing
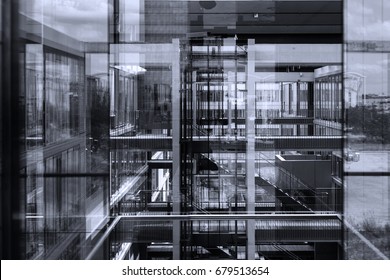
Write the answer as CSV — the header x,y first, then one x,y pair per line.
x,y
285,251
131,183
291,185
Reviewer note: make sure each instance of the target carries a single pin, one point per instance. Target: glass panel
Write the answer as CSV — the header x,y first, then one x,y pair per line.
x,y
137,112
367,142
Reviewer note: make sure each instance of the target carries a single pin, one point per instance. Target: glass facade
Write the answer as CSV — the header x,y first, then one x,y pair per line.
x,y
193,130
366,97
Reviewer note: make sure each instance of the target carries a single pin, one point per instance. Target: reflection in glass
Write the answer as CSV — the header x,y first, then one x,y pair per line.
x,y
201,129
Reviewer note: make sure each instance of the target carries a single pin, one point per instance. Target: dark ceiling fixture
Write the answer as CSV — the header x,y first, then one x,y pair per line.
x,y
208,5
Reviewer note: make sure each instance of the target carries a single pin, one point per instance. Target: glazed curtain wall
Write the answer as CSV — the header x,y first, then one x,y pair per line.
x,y
367,91
101,132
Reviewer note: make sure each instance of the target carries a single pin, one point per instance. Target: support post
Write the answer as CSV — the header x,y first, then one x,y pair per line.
x,y
250,148
176,146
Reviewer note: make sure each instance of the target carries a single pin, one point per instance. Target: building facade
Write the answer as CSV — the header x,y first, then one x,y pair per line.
x,y
188,130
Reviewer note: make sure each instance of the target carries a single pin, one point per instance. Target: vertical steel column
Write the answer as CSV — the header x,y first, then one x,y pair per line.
x,y
12,244
194,101
176,146
250,148
116,23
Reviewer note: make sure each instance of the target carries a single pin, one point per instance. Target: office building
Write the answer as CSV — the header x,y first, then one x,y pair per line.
x,y
192,130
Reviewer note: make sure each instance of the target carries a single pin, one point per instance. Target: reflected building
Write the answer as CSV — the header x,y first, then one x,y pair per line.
x,y
181,130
